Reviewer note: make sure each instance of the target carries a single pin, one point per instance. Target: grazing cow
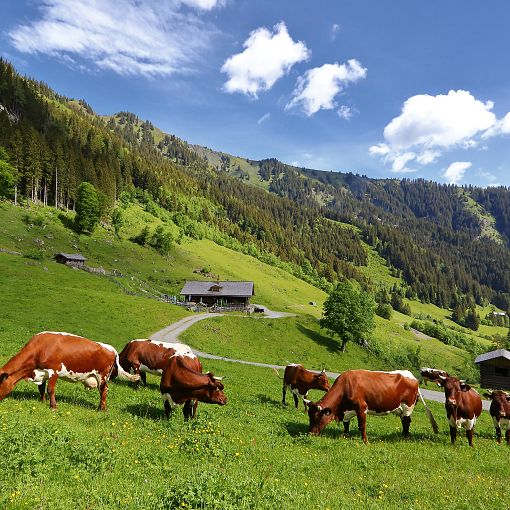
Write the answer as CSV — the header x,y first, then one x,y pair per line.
x,y
432,374
180,384
49,355
362,392
300,381
463,406
500,412
147,356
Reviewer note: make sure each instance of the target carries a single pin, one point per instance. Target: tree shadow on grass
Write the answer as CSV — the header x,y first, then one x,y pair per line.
x,y
69,223
329,343
34,396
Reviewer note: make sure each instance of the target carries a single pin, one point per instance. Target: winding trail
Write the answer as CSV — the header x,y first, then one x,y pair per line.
x,y
171,334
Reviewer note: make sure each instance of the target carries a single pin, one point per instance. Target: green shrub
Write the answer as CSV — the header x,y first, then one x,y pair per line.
x,y
384,310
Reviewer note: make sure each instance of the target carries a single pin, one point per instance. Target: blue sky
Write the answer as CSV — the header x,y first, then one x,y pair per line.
x,y
386,88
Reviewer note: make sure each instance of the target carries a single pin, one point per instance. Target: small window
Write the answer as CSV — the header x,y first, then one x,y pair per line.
x,y
501,372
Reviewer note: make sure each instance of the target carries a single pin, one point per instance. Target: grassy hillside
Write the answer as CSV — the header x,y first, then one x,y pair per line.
x,y
251,453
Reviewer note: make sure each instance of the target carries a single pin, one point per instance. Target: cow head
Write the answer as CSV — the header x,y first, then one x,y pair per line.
x,y
319,417
6,384
321,381
432,374
500,400
452,389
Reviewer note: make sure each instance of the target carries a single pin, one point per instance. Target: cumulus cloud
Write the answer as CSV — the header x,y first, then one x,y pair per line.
x,y
501,127
319,86
267,56
126,36
431,125
455,172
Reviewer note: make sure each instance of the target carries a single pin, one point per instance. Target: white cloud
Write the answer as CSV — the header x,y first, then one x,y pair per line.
x,y
319,86
266,58
400,162
346,112
126,36
439,121
455,172
501,127
264,117
431,125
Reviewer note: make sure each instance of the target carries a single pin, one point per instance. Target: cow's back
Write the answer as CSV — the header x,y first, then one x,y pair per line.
x,y
78,354
380,391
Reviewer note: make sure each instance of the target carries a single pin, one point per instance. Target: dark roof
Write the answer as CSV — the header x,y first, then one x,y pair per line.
x,y
72,256
500,353
234,289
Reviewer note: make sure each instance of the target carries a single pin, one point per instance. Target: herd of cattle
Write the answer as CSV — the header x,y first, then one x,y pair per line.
x,y
49,356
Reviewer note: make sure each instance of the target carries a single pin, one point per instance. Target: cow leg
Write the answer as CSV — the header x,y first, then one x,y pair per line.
x,y
42,389
195,405
453,434
469,435
143,378
103,392
284,391
296,400
362,423
168,409
346,427
52,381
305,396
507,436
406,423
498,434
187,409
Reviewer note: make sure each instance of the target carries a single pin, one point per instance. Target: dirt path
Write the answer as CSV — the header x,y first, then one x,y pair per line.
x,y
171,334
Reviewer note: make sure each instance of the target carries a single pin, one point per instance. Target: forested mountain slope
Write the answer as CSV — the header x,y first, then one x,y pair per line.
x,y
425,231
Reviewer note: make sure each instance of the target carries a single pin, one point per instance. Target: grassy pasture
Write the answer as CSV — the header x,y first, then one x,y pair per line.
x,y
252,453
300,339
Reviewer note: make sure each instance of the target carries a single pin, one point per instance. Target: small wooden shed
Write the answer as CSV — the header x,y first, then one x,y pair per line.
x,y
73,259
494,369
218,293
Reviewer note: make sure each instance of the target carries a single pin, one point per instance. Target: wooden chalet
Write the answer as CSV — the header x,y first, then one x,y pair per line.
x,y
72,259
218,293
494,369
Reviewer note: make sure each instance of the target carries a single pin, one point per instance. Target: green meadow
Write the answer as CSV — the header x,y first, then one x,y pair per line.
x,y
252,453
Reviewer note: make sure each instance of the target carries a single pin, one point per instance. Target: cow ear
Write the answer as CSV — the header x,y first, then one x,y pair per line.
x,y
464,387
3,377
327,411
488,395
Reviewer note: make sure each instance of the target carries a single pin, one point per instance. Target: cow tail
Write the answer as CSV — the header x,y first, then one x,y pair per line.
x,y
277,373
432,421
122,374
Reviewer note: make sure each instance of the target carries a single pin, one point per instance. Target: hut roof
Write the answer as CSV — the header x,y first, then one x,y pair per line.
x,y
232,289
499,353
72,256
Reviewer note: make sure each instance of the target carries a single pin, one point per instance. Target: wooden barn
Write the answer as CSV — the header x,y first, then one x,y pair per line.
x,y
218,293
73,259
494,369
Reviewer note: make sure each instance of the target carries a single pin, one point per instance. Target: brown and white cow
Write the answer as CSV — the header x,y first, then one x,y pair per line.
x,y
463,406
432,374
361,392
144,356
181,384
300,381
49,356
500,412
